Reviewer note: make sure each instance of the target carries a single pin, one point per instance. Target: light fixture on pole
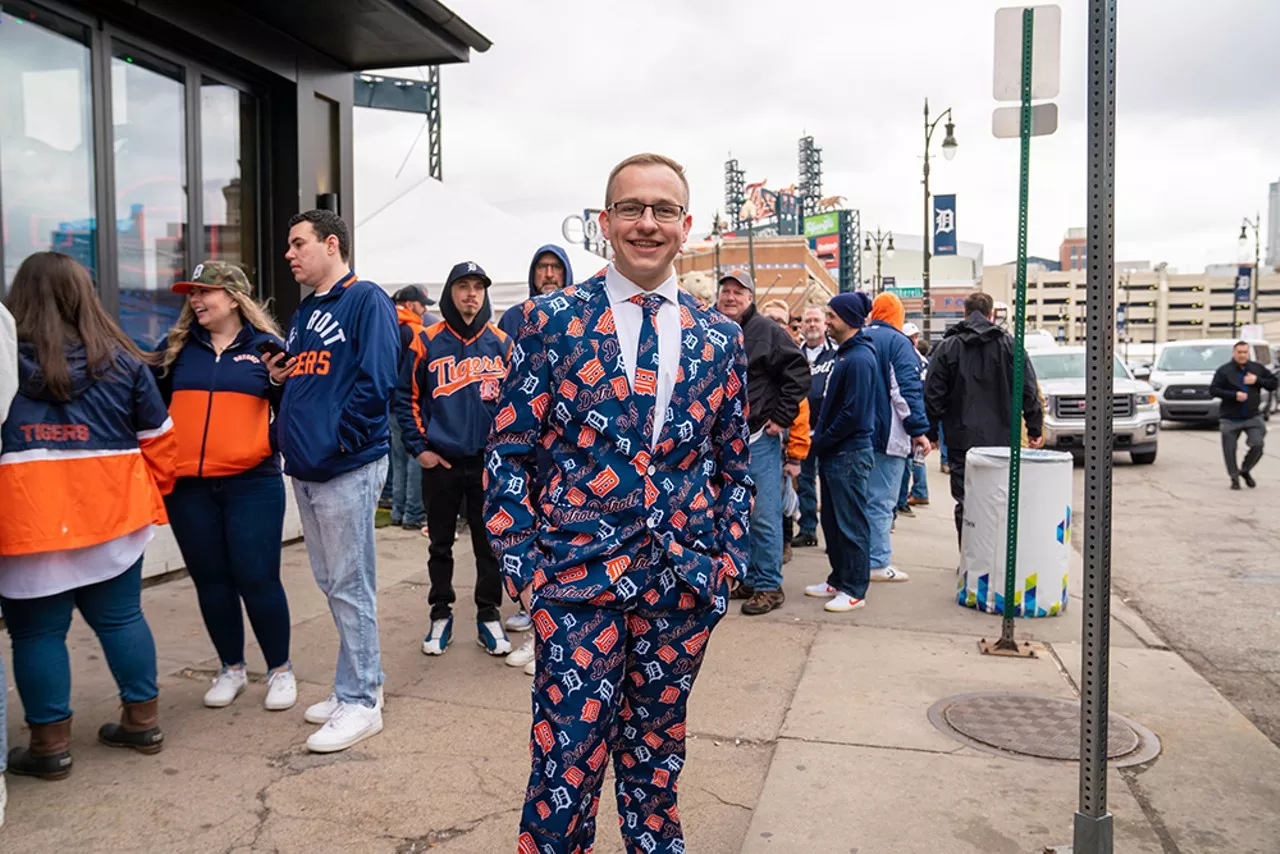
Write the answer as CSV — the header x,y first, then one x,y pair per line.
x,y
748,215
949,146
883,246
1256,279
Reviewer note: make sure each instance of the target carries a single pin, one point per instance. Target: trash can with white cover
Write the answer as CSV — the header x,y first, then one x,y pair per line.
x,y
1044,532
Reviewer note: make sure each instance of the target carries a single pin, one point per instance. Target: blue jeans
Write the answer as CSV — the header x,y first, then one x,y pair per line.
x,y
919,489
844,520
883,487
337,523
406,483
942,445
38,629
764,569
808,490
227,528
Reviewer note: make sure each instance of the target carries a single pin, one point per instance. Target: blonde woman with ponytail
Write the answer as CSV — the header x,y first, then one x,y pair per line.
x,y
227,507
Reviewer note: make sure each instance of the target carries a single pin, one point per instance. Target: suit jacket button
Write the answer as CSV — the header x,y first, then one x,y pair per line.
x,y
653,470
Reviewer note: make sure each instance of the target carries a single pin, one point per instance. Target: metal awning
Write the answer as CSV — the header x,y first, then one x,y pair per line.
x,y
363,34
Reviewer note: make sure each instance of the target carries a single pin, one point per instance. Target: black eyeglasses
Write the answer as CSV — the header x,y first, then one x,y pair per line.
x,y
631,211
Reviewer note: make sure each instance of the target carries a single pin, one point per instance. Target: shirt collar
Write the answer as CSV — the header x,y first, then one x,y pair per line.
x,y
621,289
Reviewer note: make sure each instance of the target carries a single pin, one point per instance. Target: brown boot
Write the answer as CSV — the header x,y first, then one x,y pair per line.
x,y
48,756
763,601
139,728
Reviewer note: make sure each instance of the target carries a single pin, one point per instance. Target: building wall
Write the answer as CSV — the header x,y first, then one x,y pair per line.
x,y
1160,307
784,267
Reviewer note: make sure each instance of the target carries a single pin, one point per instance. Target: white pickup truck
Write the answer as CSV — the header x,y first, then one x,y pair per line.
x,y
1135,418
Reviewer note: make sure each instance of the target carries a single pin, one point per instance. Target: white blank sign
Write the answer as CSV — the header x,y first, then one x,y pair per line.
x,y
1046,53
1006,122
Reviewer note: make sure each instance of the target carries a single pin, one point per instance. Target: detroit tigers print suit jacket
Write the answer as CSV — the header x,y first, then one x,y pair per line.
x,y
608,491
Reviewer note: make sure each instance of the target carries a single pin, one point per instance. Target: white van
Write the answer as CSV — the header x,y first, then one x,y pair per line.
x,y
1183,371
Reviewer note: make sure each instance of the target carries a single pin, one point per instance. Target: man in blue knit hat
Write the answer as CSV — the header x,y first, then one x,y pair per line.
x,y
842,442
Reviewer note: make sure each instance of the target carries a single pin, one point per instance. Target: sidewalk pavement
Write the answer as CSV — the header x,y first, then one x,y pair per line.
x,y
808,733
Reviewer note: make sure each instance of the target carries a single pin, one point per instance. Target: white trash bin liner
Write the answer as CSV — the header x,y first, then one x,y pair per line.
x,y
1044,532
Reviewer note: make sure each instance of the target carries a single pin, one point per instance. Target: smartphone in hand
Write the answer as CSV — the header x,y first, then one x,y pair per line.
x,y
269,349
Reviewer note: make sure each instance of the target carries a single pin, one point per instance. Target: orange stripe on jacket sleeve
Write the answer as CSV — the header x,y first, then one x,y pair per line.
x,y
419,353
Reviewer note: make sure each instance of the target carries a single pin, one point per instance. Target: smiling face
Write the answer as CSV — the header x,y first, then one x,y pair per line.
x,y
814,325
214,308
734,300
839,330
644,248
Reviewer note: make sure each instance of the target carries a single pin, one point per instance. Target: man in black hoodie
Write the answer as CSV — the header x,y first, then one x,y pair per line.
x,y
969,391
777,380
1238,384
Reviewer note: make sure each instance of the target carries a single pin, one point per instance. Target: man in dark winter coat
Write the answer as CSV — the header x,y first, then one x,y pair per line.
x,y
1238,384
968,391
549,271
777,380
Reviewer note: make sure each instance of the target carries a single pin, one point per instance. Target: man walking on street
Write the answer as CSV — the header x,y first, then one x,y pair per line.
x,y
968,391
407,510
820,352
900,426
639,526
777,380
334,436
1238,384
445,403
842,442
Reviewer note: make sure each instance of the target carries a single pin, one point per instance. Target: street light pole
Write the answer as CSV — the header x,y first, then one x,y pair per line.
x,y
1257,258
748,213
883,247
948,151
717,237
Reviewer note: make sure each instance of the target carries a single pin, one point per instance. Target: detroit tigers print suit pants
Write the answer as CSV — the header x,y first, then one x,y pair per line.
x,y
613,680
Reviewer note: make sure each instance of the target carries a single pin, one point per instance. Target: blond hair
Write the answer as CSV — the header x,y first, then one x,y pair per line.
x,y
646,159
778,304
252,312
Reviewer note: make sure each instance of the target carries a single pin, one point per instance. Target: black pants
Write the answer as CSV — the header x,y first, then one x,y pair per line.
x,y
444,491
955,459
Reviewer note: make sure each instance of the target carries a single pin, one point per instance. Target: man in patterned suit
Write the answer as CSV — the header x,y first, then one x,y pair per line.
x,y
623,553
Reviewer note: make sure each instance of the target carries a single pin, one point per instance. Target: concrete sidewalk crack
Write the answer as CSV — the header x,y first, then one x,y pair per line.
x,y
725,802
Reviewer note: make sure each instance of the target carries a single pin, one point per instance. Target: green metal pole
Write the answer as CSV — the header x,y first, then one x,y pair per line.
x,y
1006,641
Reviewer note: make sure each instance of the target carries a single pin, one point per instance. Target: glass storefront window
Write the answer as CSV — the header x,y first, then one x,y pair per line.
x,y
149,149
46,139
229,167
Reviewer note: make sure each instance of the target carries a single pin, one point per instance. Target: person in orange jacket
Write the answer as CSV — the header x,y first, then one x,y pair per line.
x,y
88,453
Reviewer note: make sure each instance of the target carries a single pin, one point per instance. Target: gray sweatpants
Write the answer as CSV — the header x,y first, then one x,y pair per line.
x,y
1254,429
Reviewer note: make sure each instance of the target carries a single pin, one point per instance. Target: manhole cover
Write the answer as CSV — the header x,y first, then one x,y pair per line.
x,y
1033,726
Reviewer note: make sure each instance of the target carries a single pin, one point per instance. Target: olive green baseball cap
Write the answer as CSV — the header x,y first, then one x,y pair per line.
x,y
216,274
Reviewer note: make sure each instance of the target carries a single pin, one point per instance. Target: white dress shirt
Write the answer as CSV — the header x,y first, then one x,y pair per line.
x,y
627,319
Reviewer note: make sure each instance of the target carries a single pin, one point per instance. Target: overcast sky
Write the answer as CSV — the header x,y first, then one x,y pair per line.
x,y
572,86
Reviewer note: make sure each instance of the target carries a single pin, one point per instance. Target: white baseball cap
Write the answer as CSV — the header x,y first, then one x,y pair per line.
x,y
909,329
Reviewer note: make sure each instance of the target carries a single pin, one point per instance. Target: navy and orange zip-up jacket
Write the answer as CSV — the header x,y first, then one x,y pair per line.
x,y
334,413
222,405
449,387
85,471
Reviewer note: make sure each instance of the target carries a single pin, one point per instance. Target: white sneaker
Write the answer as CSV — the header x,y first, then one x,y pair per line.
x,y
491,636
531,668
820,590
282,691
437,640
519,622
888,573
228,684
844,602
350,724
321,712
523,654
